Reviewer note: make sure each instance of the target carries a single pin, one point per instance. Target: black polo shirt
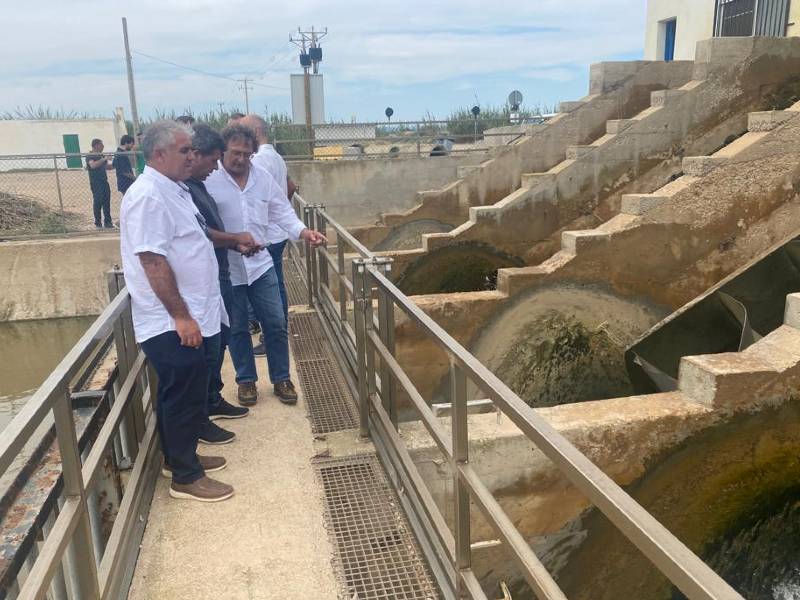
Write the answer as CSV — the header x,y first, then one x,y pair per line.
x,y
98,177
208,208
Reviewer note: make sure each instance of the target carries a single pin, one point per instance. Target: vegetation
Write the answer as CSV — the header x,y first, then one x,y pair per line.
x,y
45,113
24,214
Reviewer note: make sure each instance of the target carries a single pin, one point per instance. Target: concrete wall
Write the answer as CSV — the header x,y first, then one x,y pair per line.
x,y
55,278
357,191
45,137
695,22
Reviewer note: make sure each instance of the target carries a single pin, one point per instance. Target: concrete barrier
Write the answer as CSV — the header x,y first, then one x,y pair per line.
x,y
45,279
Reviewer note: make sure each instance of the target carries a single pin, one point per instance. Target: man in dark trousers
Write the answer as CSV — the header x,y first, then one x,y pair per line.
x,y
208,148
172,276
97,165
122,164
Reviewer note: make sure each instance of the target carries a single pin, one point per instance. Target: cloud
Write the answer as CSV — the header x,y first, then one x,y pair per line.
x,y
71,54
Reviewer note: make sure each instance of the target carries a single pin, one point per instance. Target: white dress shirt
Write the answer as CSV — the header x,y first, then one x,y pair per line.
x,y
158,216
268,159
252,209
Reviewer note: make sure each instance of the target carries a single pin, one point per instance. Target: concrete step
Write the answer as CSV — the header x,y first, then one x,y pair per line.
x,y
699,166
617,126
573,241
768,120
575,152
570,105
791,316
665,97
530,180
639,204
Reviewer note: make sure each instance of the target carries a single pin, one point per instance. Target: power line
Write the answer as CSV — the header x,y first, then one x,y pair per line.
x,y
206,73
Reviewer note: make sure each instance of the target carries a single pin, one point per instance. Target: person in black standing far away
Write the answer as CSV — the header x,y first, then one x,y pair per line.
x,y
97,165
122,164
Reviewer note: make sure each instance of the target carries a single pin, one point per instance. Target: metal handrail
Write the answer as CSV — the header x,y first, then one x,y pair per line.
x,y
450,553
128,433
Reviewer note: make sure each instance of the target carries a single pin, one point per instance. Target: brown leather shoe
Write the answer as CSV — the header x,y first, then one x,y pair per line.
x,y
210,464
248,394
204,489
285,392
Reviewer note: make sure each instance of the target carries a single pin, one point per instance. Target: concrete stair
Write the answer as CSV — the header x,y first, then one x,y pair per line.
x,y
766,371
695,167
609,93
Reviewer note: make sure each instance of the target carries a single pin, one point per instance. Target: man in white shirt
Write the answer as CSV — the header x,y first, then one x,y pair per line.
x,y
267,158
249,199
171,274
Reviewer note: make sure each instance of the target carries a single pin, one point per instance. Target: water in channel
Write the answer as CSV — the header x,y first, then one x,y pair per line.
x,y
731,494
29,350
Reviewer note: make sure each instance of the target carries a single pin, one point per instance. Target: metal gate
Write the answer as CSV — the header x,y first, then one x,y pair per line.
x,y
742,18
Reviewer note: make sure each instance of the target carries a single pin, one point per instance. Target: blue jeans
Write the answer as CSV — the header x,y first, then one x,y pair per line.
x,y
180,409
276,252
215,353
264,296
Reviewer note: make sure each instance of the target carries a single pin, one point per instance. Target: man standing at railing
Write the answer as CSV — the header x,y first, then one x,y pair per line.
x,y
249,199
208,147
97,165
122,164
171,274
267,158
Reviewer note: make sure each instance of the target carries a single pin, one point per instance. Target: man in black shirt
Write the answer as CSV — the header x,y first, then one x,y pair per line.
x,y
97,165
208,148
122,164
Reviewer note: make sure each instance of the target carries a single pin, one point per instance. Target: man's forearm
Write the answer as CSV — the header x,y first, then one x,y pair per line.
x,y
162,280
223,239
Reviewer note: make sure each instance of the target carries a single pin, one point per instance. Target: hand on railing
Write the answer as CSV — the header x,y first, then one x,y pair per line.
x,y
315,238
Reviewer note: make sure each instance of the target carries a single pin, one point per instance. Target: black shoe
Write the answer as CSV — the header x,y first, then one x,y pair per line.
x,y
285,392
213,434
226,410
259,350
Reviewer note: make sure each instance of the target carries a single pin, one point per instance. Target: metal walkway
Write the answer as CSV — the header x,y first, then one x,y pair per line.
x,y
376,553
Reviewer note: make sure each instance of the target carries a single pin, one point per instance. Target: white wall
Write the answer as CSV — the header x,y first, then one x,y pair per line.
x,y
695,22
45,137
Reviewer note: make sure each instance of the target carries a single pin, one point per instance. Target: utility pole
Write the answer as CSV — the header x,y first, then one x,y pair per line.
x,y
131,89
246,86
310,57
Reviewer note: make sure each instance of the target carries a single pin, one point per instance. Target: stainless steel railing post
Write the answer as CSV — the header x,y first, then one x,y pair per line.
x,y
342,287
386,324
86,582
322,227
460,436
360,298
308,219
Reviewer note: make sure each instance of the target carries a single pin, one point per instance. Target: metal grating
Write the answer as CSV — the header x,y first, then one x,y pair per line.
x,y
296,290
377,555
330,405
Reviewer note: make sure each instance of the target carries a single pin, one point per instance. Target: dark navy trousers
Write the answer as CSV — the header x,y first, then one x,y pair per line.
x,y
181,406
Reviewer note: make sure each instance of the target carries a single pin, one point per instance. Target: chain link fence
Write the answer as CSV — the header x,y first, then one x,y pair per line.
x,y
49,194
387,139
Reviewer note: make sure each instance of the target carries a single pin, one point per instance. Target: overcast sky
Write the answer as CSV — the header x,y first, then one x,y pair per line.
x,y
419,57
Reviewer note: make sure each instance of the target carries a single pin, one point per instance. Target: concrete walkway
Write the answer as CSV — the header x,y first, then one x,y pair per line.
x,y
268,541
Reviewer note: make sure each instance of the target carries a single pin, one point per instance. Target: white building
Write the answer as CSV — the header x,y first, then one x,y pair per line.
x,y
23,137
675,26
